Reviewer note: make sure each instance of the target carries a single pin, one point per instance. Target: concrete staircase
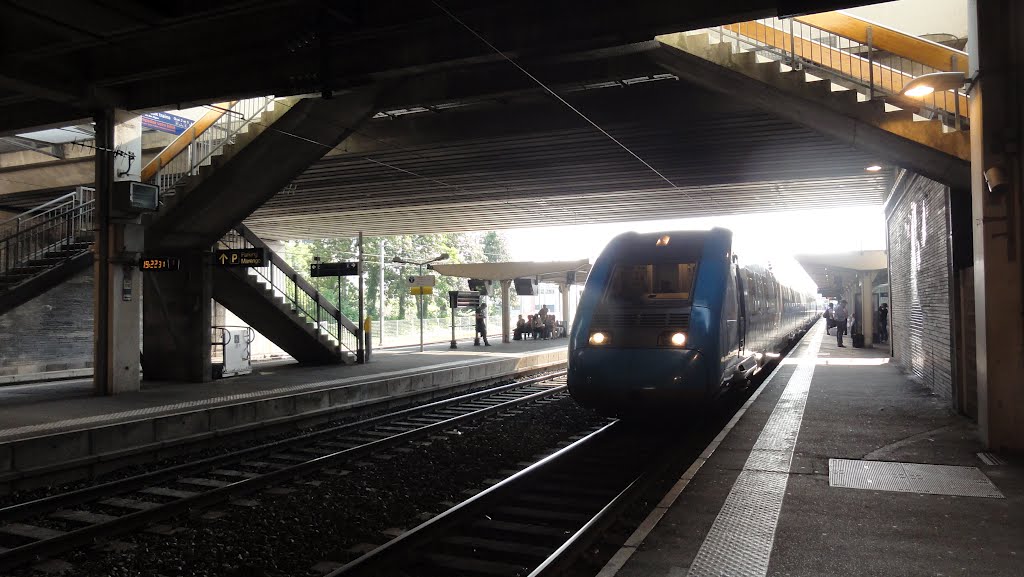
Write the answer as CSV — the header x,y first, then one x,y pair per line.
x,y
926,146
254,166
34,277
261,308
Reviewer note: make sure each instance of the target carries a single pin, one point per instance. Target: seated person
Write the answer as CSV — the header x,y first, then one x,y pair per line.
x,y
538,327
549,327
517,334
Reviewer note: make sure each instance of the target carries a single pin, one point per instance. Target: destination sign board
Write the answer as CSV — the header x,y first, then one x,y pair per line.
x,y
334,269
159,263
241,257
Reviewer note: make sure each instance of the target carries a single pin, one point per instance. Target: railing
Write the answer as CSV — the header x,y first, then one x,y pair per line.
x,y
857,54
197,145
48,228
296,290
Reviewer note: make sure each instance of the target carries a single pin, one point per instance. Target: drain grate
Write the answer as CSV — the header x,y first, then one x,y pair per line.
x,y
991,459
911,478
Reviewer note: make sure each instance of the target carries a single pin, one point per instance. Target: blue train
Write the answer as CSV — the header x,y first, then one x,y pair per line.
x,y
669,321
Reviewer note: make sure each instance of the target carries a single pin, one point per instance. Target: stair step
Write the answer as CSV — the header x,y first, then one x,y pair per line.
x,y
745,60
845,98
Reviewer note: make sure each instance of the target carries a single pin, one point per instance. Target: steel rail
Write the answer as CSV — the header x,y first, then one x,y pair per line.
x,y
380,557
19,555
43,504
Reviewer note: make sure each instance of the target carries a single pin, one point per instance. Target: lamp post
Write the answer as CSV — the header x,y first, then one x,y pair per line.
x,y
419,297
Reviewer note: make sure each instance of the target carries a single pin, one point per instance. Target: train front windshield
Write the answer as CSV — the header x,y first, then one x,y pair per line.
x,y
640,283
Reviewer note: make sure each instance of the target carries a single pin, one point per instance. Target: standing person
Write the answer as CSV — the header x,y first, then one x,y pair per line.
x,y
841,314
543,314
883,322
481,325
829,315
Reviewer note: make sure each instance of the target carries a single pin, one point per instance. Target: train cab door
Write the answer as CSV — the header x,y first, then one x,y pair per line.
x,y
742,310
730,339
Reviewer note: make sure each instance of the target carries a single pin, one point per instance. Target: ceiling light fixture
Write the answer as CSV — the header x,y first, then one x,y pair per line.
x,y
927,83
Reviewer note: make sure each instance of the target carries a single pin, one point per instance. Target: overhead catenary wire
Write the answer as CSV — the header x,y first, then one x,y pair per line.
x,y
558,97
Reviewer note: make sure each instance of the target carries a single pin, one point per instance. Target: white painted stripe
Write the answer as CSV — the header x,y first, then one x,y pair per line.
x,y
71,424
741,539
622,556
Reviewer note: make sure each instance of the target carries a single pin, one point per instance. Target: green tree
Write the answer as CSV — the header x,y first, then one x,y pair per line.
x,y
398,303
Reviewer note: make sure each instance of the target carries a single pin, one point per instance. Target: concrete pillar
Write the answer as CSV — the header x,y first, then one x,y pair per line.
x,y
506,313
867,321
119,241
996,126
176,337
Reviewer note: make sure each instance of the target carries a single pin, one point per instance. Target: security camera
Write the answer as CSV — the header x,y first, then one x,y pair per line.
x,y
997,181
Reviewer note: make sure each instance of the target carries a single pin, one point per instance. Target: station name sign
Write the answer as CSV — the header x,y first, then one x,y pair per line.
x,y
241,257
334,269
159,263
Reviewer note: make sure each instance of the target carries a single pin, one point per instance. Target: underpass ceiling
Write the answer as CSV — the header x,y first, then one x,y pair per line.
x,y
533,162
65,59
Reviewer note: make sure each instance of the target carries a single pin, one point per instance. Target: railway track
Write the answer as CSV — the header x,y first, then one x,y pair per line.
x,y
48,526
533,522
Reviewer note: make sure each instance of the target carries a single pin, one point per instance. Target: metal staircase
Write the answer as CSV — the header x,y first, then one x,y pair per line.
x,y
275,300
51,243
282,305
44,246
841,75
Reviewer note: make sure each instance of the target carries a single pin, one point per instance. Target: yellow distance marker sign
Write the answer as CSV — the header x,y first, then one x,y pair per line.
x,y
421,290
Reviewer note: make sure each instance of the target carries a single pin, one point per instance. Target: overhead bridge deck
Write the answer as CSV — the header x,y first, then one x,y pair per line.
x,y
59,431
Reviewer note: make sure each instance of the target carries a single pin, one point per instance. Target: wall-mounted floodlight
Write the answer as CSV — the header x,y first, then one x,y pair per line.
x,y
927,83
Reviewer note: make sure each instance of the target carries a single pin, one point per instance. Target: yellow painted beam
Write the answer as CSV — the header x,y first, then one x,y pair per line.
x,y
184,139
847,64
917,49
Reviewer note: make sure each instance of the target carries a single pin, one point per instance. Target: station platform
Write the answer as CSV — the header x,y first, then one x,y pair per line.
x,y
62,427
840,465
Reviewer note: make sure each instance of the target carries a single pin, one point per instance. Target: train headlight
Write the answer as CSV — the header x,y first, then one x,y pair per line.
x,y
672,339
599,338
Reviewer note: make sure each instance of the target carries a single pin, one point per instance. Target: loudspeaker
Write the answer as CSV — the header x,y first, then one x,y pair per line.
x,y
526,286
479,286
570,277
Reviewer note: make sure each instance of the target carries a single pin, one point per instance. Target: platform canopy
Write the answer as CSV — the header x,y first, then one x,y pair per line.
x,y
550,272
862,260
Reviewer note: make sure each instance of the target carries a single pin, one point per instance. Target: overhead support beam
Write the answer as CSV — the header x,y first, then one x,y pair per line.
x,y
817,115
213,202
37,90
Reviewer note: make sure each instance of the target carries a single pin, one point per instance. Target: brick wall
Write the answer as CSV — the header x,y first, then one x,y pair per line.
x,y
52,332
917,224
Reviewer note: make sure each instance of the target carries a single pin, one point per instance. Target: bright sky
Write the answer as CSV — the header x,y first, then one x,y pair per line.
x,y
784,233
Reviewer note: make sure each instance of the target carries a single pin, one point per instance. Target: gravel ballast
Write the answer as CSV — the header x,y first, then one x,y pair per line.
x,y
325,519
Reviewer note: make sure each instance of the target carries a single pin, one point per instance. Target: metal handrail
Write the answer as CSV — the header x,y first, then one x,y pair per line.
x,y
298,292
48,231
59,200
203,140
846,61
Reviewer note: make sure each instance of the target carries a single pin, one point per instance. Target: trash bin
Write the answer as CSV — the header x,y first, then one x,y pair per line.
x,y
858,340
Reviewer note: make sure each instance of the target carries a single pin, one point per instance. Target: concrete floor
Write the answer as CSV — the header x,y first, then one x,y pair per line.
x,y
859,407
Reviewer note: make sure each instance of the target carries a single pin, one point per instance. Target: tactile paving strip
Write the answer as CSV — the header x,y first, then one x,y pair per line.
x,y
741,539
911,478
